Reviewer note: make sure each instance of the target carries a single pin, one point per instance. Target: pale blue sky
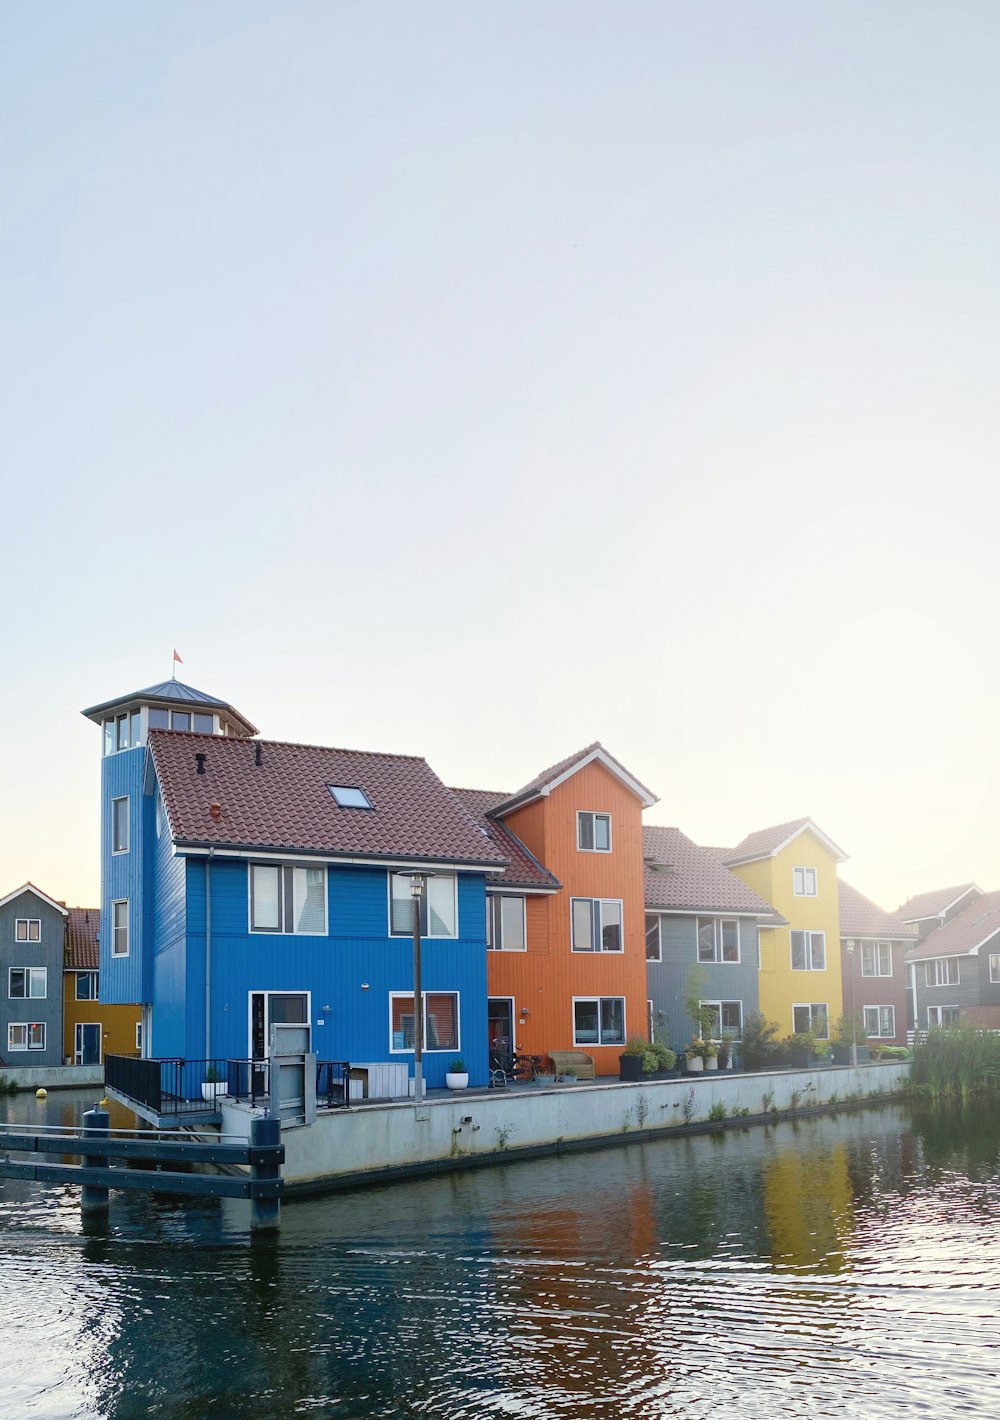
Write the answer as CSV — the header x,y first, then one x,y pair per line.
x,y
481,379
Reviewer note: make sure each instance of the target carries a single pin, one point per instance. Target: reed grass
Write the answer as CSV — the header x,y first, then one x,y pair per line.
x,y
960,1061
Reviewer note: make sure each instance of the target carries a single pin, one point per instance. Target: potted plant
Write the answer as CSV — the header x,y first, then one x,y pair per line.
x,y
799,1050
545,1077
214,1085
760,1045
568,1076
696,1053
711,1055
726,1052
659,1062
630,1060
456,1076
845,1034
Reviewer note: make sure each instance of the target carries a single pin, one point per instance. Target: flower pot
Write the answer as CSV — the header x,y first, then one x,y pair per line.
x,y
664,1075
456,1081
712,1063
211,1092
545,1079
630,1068
567,1080
695,1064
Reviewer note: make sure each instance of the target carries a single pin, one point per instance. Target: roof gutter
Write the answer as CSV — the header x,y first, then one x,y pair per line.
x,y
202,847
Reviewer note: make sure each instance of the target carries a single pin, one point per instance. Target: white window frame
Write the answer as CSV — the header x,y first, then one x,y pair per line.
x,y
995,967
717,929
282,931
27,923
26,1026
879,1034
934,1015
494,921
593,815
809,952
428,1049
812,1007
937,963
655,917
97,986
719,1005
121,799
424,907
809,880
115,929
598,1000
597,927
30,972
876,949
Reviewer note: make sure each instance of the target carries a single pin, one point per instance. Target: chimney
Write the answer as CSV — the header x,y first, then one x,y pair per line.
x,y
200,761
215,809
257,756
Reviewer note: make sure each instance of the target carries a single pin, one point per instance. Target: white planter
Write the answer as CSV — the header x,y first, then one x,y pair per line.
x,y
456,1082
712,1063
212,1092
567,1080
695,1064
545,1079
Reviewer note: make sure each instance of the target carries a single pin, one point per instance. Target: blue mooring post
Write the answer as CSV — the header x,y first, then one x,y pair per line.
x,y
96,1121
265,1213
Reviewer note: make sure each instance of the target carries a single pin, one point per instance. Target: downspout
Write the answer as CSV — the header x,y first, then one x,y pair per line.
x,y
208,953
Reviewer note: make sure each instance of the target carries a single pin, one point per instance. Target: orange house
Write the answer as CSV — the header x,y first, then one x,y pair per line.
x,y
566,920
92,1030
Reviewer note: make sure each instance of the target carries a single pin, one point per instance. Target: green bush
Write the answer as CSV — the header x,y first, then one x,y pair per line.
x,y
717,1112
760,1043
657,1057
960,1061
636,1046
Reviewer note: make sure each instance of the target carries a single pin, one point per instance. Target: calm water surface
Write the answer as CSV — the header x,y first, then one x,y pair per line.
x,y
842,1267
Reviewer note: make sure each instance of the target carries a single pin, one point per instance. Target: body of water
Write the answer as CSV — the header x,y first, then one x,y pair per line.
x,y
845,1266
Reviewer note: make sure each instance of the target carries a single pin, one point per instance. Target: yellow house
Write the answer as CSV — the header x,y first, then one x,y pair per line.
x,y
793,866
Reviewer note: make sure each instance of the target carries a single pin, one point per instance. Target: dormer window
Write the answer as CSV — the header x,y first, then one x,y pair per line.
x,y
804,882
349,796
593,832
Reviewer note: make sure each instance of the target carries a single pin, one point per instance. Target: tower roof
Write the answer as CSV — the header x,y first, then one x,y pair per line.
x,y
172,693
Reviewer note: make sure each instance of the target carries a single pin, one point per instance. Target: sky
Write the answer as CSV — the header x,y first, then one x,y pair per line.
x,y
481,380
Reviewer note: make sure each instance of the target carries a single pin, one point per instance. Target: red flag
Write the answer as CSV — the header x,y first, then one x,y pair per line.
x,y
176,657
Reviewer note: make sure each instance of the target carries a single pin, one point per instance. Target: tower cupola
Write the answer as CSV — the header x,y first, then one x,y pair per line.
x,y
171,705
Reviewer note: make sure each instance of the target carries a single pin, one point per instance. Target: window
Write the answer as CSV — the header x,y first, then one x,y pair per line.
x,y
438,906
180,720
994,966
942,972
158,719
87,985
288,900
202,724
598,1020
804,882
119,929
596,924
505,926
880,1021
654,946
25,1037
440,1021
727,1018
944,1016
593,833
348,797
808,951
718,940
28,983
876,959
119,825
813,1018
28,929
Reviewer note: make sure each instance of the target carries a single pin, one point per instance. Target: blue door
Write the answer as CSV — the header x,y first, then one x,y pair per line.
x,y
87,1049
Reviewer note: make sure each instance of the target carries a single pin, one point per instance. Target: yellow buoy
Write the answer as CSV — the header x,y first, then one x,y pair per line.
x,y
105,1102
41,1094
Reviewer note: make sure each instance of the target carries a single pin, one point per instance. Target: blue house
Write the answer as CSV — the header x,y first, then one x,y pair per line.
x,y
250,883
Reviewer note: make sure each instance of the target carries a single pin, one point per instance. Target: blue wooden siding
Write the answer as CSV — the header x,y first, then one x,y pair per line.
x,y
124,979
357,953
667,980
168,967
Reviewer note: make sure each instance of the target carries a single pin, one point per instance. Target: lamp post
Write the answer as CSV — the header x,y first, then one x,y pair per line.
x,y
417,884
854,1022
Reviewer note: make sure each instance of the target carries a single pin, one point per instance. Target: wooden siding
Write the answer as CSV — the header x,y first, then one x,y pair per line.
x,y
877,990
117,1023
667,979
47,952
963,995
547,977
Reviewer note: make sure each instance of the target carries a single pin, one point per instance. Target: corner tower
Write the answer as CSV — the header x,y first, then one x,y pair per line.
x,y
129,828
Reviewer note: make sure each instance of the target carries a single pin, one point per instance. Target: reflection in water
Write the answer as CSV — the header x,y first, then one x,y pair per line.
x,y
842,1267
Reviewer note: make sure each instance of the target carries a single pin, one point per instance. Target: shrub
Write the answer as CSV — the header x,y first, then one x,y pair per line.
x,y
457,1066
636,1046
759,1040
717,1112
657,1057
844,1036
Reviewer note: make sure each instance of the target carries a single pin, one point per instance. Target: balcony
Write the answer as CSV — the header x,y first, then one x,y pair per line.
x,y
171,1093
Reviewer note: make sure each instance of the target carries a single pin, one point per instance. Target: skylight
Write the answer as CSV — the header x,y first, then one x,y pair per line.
x,y
348,796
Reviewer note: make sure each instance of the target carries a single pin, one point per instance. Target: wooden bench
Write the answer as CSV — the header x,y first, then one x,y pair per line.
x,y
576,1060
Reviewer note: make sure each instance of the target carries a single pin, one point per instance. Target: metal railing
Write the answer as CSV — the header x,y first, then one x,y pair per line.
x,y
333,1083
178,1086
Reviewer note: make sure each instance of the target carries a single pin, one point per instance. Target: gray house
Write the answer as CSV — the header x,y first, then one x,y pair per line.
x,y
701,931
32,940
955,971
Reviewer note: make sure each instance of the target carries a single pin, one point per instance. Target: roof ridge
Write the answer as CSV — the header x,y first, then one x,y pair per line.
x,y
172,735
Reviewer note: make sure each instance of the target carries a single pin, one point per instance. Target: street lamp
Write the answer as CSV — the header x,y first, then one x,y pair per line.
x,y
854,1022
417,883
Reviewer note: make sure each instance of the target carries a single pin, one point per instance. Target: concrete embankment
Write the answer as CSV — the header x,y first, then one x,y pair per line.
x,y
375,1143
56,1077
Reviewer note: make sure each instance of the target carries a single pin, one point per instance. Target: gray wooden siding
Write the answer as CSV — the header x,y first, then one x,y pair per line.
x,y
47,952
667,980
965,993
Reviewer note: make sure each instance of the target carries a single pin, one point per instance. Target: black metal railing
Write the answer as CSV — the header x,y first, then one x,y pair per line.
x,y
178,1086
333,1083
138,1079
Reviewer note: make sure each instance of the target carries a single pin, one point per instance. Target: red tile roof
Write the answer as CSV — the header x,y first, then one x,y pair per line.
x,y
284,803
524,870
82,929
964,933
680,875
860,917
932,904
766,841
541,782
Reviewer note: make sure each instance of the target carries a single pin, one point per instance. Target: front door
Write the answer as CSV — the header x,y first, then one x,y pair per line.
x,y
500,1024
274,1008
87,1046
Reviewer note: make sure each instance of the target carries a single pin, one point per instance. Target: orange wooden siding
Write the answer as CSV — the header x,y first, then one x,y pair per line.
x,y
117,1023
549,974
